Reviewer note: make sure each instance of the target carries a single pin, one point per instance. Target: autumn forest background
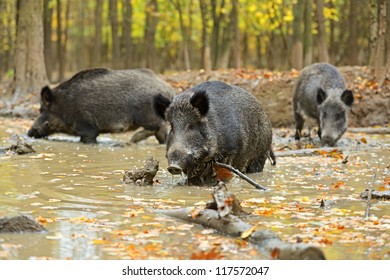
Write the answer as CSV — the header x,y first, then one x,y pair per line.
x,y
56,38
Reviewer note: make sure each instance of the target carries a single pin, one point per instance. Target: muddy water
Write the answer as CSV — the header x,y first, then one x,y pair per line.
x,y
76,192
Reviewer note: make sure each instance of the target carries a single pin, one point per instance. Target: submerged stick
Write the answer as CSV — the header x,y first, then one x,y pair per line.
x,y
241,175
368,206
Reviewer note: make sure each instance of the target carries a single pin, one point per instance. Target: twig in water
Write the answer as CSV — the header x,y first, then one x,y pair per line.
x,y
367,214
241,175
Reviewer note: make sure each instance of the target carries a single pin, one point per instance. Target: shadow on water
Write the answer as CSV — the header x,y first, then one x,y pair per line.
x,y
76,192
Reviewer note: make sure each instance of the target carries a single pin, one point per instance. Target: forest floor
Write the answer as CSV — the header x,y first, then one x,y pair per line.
x,y
273,88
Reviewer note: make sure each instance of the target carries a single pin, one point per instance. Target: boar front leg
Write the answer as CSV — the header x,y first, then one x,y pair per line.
x,y
87,133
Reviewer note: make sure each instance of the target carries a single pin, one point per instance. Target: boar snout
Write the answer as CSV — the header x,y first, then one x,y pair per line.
x,y
175,169
328,141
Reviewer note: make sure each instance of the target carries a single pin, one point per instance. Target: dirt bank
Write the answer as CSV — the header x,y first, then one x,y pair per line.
x,y
274,89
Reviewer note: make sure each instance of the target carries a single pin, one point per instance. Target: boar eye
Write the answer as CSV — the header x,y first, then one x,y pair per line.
x,y
190,126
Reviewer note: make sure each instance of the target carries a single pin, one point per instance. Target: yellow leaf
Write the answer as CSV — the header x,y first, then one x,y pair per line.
x,y
305,199
248,232
99,242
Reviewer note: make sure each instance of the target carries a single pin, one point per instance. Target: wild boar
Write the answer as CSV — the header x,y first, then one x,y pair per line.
x,y
100,100
320,93
213,122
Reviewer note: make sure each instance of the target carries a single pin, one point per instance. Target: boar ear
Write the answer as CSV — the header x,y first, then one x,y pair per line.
x,y
200,101
46,96
160,105
347,97
321,95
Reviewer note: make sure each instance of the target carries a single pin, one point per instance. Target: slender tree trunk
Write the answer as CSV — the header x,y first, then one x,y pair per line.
x,y
206,51
30,71
80,44
98,48
259,56
60,57
373,31
236,31
115,34
308,42
297,50
215,37
388,37
151,22
127,33
322,48
47,32
353,29
380,69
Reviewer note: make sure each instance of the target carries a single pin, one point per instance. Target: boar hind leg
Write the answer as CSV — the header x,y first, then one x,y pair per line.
x,y
141,135
299,121
161,134
257,164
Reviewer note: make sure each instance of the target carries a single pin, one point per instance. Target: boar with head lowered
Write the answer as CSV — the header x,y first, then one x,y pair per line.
x,y
320,93
103,101
215,122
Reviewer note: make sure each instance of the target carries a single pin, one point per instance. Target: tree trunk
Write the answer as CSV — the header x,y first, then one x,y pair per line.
x,y
297,51
373,31
353,29
322,48
236,31
308,42
80,44
60,57
151,21
184,33
30,71
206,51
380,67
127,32
97,49
115,34
47,30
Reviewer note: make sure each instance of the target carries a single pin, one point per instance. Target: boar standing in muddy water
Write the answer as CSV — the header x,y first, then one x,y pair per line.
x,y
103,101
215,122
320,93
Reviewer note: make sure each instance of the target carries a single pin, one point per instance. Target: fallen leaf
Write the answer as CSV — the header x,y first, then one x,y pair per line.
x,y
275,253
214,254
245,234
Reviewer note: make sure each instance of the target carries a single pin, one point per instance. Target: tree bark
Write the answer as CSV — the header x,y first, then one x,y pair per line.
x,y
30,71
297,51
322,48
236,31
47,32
206,51
97,50
265,240
308,42
352,36
380,67
115,54
373,31
127,33
151,22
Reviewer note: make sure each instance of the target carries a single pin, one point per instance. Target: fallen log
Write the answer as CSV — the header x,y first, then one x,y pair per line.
x,y
265,240
370,130
222,215
305,152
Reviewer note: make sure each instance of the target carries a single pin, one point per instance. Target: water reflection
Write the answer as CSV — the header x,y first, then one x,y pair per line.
x,y
95,216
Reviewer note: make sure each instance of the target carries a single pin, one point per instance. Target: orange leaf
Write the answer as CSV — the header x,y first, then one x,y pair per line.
x,y
338,185
222,174
275,253
212,255
364,140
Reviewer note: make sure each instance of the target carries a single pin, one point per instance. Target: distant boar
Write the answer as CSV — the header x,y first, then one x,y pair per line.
x,y
103,101
215,122
320,93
